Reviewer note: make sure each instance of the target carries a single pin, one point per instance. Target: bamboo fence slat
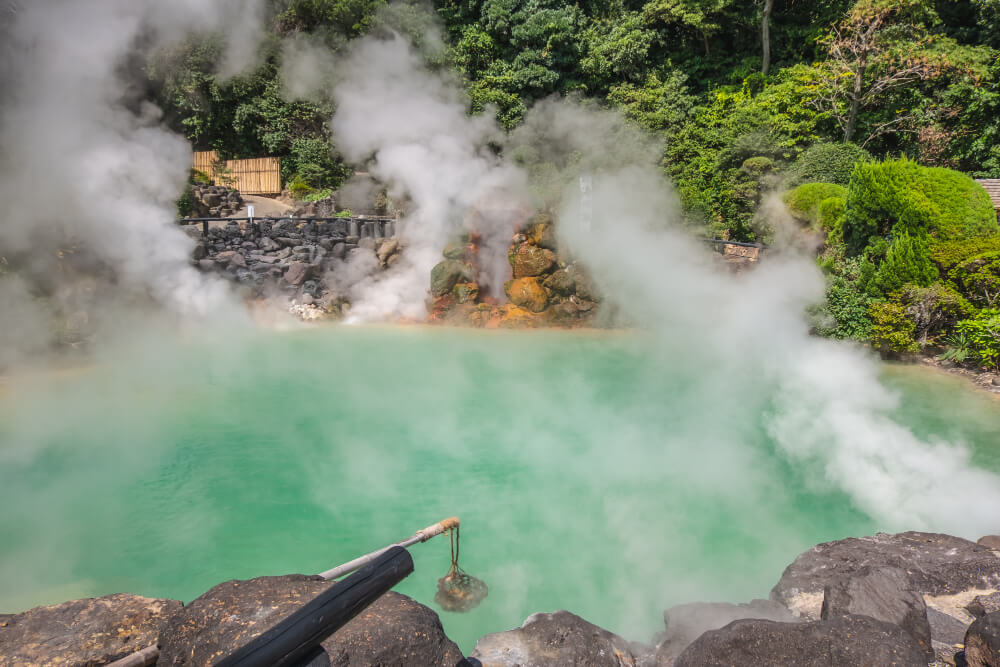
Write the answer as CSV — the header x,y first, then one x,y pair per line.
x,y
254,176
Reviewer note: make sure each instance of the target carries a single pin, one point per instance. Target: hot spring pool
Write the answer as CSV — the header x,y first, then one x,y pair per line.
x,y
590,472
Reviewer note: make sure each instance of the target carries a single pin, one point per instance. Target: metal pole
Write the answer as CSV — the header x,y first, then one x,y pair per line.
x,y
420,536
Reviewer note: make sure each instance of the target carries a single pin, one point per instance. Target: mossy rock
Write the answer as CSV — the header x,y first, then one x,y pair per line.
x,y
529,294
542,235
465,292
531,261
560,282
446,274
454,250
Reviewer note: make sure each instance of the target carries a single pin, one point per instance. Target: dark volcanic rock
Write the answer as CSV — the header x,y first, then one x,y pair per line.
x,y
231,614
94,631
685,623
858,641
561,639
394,630
935,564
984,604
297,273
885,595
982,642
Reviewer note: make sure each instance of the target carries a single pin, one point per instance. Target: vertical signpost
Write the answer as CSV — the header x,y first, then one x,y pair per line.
x,y
586,201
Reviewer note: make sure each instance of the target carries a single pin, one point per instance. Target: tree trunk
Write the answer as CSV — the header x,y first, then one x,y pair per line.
x,y
855,97
704,37
765,35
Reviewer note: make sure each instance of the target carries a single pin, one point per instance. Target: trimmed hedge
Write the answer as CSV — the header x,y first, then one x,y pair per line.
x,y
805,201
826,163
888,198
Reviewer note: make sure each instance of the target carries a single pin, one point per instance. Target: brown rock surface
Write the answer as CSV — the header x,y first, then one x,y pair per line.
x,y
82,633
528,294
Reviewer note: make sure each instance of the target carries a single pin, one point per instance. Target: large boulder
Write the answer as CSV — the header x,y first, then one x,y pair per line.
x,y
884,594
859,641
982,642
948,571
94,631
685,623
531,261
445,275
561,639
394,630
984,604
528,294
560,282
297,273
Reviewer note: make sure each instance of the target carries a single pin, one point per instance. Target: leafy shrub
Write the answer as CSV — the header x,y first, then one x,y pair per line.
x,y
950,254
299,187
983,334
804,201
892,331
826,163
185,203
907,260
318,195
890,197
199,177
979,278
957,348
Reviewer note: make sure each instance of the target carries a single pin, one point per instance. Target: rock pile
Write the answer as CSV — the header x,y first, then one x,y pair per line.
x,y
544,289
215,201
910,599
294,259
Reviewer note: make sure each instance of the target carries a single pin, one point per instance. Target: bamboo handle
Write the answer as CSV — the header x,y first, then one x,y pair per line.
x,y
438,528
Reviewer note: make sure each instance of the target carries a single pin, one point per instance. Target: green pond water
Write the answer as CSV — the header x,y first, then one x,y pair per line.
x,y
589,472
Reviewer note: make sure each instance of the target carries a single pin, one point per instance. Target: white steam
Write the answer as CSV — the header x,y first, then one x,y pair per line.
x,y
85,163
411,127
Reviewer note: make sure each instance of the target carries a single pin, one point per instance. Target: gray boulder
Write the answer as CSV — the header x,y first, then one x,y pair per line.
x,y
936,565
393,631
990,541
81,633
560,639
685,623
984,604
884,594
982,642
297,273
858,641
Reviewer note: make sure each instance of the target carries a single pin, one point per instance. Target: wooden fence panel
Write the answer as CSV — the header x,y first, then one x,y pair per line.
x,y
255,176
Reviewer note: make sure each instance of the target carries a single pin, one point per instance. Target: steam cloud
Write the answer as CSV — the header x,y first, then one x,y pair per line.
x,y
85,159
830,412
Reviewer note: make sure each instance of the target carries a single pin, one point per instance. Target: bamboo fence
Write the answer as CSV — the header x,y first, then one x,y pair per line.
x,y
254,176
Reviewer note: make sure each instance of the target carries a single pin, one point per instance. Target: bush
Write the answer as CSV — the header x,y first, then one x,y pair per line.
x,y
891,197
185,203
907,260
982,333
826,163
950,254
932,309
979,278
892,331
804,201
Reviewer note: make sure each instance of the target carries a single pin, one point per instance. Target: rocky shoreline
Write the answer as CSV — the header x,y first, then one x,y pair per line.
x,y
905,599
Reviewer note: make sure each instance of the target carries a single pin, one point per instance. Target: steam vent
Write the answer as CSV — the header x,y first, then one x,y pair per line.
x,y
500,334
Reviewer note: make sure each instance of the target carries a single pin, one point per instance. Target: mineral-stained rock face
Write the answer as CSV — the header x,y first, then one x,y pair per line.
x,y
94,631
935,564
982,642
561,639
859,641
884,594
394,630
528,294
531,261
984,604
685,623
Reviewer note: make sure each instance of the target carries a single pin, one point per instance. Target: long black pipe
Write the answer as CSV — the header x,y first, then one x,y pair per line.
x,y
295,639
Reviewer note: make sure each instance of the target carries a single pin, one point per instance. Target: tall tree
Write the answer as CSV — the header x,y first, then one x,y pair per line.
x,y
765,35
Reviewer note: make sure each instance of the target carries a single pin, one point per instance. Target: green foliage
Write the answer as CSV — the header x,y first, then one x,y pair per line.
x,y
908,260
892,331
659,104
199,177
950,254
804,201
826,162
983,335
978,278
932,309
900,196
847,308
318,195
346,213
185,203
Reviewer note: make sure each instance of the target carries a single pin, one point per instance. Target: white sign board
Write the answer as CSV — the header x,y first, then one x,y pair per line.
x,y
250,211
